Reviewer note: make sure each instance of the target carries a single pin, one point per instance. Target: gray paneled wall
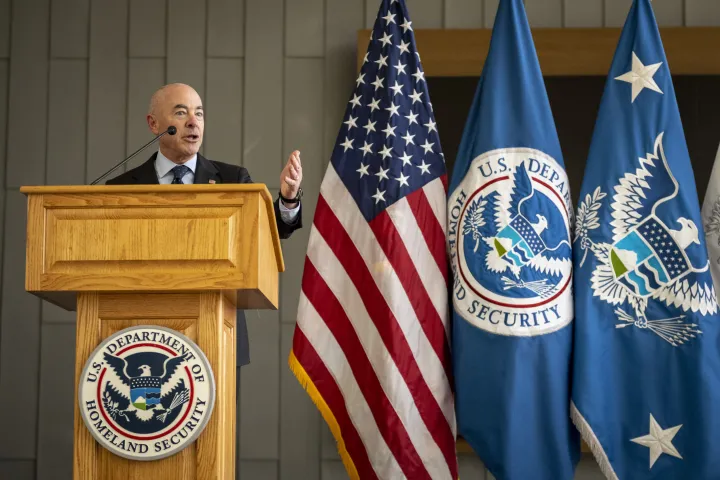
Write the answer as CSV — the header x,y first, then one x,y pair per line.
x,y
275,75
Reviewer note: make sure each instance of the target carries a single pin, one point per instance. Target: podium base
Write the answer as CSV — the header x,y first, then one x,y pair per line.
x,y
208,319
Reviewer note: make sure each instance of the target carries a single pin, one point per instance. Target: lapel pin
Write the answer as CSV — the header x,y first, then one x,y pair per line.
x,y
211,181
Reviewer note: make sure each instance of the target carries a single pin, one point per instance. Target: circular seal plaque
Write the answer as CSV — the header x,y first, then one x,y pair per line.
x,y
509,238
146,392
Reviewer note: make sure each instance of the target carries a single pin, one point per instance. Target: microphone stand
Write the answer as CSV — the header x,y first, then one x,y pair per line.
x,y
170,131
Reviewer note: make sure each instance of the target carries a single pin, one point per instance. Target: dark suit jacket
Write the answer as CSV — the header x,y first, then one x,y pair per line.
x,y
206,170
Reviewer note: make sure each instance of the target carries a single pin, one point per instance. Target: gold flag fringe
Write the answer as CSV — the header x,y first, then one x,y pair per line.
x,y
589,436
307,384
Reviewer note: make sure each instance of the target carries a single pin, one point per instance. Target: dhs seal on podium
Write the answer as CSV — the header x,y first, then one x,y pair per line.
x,y
508,233
146,392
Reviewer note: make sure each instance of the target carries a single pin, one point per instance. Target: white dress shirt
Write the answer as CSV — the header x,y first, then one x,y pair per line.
x,y
164,166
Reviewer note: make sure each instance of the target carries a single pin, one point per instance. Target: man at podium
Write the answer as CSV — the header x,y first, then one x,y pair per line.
x,y
178,161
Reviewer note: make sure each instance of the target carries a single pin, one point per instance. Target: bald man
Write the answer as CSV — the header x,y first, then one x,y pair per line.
x,y
178,161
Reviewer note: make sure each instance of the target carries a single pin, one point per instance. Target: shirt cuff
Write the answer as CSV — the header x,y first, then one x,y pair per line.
x,y
288,215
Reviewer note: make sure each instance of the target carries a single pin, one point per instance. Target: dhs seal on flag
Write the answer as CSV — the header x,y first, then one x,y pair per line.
x,y
509,243
146,392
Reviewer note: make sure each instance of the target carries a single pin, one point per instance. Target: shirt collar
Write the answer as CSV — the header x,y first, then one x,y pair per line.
x,y
163,165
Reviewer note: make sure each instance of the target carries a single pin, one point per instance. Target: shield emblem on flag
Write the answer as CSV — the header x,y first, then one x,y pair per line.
x,y
648,257
519,241
145,392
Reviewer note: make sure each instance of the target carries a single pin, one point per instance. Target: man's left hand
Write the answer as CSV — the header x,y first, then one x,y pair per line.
x,y
291,177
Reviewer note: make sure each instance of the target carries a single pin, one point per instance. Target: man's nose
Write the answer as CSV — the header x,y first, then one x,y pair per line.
x,y
191,121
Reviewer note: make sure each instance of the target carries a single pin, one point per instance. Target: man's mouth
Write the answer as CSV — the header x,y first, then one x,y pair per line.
x,y
191,138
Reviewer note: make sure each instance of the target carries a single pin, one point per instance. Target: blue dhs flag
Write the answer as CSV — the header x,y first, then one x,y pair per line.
x,y
509,237
646,370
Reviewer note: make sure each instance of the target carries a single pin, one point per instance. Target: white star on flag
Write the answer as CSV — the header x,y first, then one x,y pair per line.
x,y
659,441
641,77
389,131
416,96
403,47
386,151
393,109
427,146
367,148
382,173
378,82
397,88
347,144
351,122
403,179
355,101
363,170
424,167
370,126
379,196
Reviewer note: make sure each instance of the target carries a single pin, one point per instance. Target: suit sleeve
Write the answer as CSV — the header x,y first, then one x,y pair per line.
x,y
284,229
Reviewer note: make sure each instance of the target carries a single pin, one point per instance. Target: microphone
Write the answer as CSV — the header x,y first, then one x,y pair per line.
x,y
170,131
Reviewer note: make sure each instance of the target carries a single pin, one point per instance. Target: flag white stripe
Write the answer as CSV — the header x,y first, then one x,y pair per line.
x,y
332,355
391,380
430,275
349,215
435,193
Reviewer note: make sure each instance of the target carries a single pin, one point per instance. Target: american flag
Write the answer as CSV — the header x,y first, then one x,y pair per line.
x,y
371,346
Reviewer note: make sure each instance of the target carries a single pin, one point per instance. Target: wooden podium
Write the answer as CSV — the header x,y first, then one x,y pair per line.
x,y
184,257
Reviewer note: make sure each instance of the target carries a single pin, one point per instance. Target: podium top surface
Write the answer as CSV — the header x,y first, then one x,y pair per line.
x,y
147,188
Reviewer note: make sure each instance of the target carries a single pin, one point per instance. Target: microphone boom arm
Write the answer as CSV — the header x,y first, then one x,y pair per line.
x,y
171,130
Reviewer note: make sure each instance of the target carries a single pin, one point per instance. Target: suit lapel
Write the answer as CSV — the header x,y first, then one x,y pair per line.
x,y
205,171
145,174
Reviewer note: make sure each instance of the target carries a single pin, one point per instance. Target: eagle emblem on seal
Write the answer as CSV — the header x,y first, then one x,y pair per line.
x,y
514,225
140,392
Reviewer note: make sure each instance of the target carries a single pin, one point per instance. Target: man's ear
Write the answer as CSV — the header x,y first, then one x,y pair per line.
x,y
153,124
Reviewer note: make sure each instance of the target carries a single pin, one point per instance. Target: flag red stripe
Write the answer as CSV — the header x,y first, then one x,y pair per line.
x,y
386,418
430,321
347,254
430,228
390,241
325,384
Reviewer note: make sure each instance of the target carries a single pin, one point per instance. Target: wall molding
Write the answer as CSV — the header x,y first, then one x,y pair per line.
x,y
561,51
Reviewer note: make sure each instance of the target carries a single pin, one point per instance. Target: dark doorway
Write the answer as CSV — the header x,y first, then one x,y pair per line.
x,y
574,102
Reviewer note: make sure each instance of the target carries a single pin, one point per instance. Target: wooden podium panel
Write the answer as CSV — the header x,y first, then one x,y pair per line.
x,y
177,258
208,319
153,238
